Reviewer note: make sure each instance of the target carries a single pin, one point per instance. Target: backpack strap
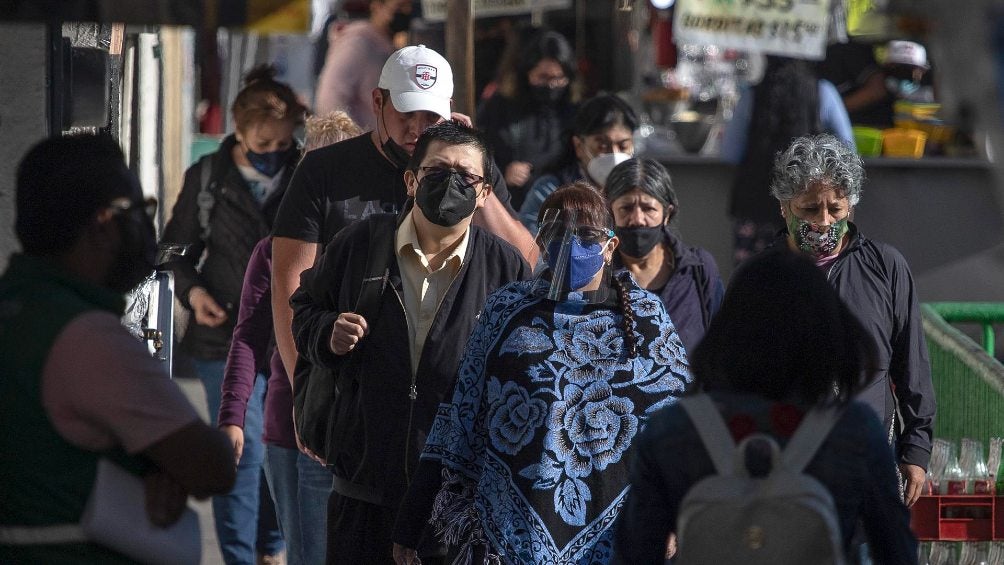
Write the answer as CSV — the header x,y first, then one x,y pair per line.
x,y
712,430
377,274
809,436
205,200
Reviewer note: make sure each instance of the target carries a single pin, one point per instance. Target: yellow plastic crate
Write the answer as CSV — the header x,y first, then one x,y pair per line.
x,y
899,142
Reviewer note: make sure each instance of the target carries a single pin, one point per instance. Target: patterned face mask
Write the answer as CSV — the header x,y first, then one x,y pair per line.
x,y
816,239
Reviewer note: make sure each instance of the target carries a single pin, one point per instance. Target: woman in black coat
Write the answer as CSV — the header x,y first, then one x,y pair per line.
x,y
226,206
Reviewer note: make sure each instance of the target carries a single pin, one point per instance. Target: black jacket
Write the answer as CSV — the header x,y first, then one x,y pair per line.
x,y
237,223
694,291
376,442
875,282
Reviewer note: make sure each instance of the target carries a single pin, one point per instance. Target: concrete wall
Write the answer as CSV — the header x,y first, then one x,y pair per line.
x,y
22,113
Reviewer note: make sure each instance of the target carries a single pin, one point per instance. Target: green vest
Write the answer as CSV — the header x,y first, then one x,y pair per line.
x,y
44,480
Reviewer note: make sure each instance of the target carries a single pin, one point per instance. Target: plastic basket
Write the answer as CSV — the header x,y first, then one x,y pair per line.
x,y
868,140
898,142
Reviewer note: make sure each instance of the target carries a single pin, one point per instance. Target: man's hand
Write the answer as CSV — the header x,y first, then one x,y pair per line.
x,y
207,311
462,118
165,499
517,173
405,556
348,329
236,436
915,477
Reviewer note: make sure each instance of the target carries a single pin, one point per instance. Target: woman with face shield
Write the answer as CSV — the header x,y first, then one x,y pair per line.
x,y
602,136
817,181
560,374
643,203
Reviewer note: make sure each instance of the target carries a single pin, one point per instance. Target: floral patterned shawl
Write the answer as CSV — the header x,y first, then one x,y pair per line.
x,y
547,402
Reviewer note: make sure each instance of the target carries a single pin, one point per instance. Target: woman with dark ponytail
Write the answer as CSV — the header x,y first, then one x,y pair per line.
x,y
560,375
225,207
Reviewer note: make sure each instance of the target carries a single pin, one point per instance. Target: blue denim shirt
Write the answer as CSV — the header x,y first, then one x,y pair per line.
x,y
855,464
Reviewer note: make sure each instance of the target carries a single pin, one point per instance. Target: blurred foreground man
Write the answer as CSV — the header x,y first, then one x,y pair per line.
x,y
75,386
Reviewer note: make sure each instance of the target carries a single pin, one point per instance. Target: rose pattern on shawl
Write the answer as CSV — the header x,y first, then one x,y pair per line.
x,y
590,347
590,428
667,350
646,307
572,357
513,417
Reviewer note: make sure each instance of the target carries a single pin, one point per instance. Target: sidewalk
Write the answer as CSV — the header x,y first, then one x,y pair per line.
x,y
210,549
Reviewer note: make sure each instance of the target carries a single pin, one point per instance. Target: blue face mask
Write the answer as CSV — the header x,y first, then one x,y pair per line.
x,y
584,261
268,164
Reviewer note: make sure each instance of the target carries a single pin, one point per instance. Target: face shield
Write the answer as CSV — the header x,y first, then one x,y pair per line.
x,y
576,256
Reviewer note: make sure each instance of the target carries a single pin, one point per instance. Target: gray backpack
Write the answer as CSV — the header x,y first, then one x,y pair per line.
x,y
782,517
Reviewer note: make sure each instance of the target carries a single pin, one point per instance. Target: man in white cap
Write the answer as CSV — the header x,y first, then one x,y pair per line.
x,y
905,66
347,181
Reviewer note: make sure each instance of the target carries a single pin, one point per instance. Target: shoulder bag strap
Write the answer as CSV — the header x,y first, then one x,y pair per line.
x,y
809,436
205,200
712,430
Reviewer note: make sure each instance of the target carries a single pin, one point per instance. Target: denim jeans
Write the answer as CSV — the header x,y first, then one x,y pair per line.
x,y
300,487
245,520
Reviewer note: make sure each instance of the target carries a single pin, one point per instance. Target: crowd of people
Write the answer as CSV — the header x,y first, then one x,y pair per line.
x,y
401,368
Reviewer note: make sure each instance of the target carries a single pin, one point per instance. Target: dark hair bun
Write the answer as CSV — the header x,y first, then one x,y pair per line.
x,y
263,73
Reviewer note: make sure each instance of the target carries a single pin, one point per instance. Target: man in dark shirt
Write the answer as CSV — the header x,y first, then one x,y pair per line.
x,y
339,184
859,79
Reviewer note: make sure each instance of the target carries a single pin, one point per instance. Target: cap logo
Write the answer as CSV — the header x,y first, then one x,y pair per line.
x,y
425,76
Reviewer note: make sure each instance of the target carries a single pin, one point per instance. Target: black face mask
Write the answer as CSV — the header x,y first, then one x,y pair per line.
x,y
135,259
400,22
546,95
639,242
445,200
397,155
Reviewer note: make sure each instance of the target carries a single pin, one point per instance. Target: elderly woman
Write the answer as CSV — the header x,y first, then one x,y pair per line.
x,y
782,345
559,376
817,181
643,204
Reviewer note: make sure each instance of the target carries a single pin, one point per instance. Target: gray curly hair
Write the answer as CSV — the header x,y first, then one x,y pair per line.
x,y
813,159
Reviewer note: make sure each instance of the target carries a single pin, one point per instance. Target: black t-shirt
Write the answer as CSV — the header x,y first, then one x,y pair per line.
x,y
336,185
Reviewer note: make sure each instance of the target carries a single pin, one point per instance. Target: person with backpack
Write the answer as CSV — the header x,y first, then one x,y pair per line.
x,y
227,205
776,374
643,203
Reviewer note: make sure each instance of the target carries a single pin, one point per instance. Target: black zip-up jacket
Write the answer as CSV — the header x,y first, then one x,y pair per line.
x,y
375,447
875,282
236,224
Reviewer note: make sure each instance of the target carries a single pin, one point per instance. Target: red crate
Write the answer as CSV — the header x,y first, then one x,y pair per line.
x,y
958,518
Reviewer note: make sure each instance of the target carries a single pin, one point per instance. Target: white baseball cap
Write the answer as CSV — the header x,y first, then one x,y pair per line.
x,y
418,78
906,53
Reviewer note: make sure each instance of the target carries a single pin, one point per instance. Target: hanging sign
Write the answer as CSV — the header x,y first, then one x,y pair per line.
x,y
792,28
435,10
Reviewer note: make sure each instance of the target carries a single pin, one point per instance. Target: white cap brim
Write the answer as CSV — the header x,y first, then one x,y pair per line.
x,y
406,102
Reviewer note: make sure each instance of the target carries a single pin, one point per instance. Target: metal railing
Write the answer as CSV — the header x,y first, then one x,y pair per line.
x,y
968,382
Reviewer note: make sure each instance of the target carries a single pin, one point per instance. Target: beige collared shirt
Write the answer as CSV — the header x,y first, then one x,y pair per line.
x,y
423,288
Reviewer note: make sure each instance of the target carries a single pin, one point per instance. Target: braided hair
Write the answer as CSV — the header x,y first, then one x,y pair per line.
x,y
590,206
627,315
